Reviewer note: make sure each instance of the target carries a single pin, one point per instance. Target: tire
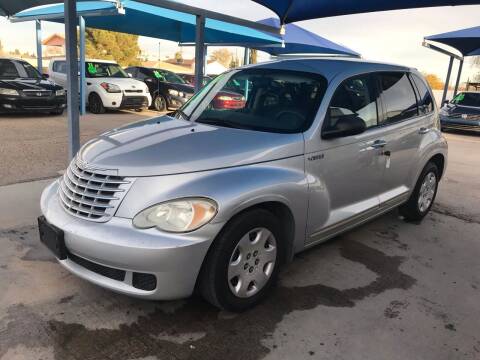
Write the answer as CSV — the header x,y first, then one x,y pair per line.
x,y
159,103
57,112
95,104
139,110
423,195
233,251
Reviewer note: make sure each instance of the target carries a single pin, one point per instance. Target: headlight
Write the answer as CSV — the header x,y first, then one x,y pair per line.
x,y
178,216
173,92
4,91
111,88
60,92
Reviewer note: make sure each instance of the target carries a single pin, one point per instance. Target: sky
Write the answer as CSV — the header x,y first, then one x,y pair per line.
x,y
393,36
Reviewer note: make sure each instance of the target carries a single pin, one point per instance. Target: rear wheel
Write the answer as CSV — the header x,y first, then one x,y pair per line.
x,y
244,261
95,104
57,112
423,196
159,103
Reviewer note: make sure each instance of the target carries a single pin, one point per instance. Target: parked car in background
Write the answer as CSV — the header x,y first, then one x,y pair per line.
x,y
190,79
219,199
168,90
24,89
462,113
108,86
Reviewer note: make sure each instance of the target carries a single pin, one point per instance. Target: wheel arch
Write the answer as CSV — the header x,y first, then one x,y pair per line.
x,y
439,161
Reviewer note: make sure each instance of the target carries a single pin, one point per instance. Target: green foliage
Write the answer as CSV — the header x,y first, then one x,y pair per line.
x,y
179,57
109,45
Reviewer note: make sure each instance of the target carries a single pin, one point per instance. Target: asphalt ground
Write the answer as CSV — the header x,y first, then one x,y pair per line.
x,y
35,146
386,290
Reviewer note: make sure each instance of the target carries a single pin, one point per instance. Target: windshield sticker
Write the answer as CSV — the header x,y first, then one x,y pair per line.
x,y
158,75
459,97
91,68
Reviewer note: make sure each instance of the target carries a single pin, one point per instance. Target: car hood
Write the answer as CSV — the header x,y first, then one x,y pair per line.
x,y
28,84
166,146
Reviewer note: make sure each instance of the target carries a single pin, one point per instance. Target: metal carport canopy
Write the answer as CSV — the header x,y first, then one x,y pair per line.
x,y
298,40
152,21
297,10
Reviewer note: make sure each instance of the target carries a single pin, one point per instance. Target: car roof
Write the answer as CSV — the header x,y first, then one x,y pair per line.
x,y
329,67
88,60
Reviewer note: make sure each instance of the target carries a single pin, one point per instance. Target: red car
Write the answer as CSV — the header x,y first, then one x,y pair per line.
x,y
229,100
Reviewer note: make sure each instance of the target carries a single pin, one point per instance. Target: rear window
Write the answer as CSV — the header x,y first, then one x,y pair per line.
x,y
398,97
467,99
8,69
263,100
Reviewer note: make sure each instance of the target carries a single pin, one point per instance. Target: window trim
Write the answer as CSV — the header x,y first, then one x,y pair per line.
x,y
412,79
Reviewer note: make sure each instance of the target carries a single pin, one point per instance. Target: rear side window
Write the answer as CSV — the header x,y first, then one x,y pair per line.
x,y
8,69
355,97
425,101
398,97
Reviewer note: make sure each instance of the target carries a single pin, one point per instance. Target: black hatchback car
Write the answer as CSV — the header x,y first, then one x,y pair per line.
x,y
168,90
24,89
462,113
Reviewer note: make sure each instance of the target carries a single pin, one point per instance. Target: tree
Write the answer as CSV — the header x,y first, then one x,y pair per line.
x,y
110,45
179,57
434,81
235,62
223,56
253,56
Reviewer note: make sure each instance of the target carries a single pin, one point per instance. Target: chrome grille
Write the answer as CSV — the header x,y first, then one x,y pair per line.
x,y
92,194
37,93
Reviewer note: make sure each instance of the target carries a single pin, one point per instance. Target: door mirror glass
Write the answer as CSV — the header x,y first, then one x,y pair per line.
x,y
345,125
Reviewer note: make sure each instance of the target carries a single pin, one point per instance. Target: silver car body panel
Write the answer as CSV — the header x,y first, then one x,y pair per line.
x,y
329,186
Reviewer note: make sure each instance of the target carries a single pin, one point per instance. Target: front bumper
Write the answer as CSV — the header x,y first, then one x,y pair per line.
x,y
174,259
175,102
32,104
459,124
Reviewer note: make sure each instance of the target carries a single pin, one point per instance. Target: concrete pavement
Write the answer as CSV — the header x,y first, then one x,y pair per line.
x,y
387,290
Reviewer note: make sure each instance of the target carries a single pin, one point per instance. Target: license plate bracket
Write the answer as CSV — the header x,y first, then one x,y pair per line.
x,y
52,237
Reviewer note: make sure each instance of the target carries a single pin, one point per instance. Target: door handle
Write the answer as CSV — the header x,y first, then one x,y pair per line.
x,y
423,130
378,144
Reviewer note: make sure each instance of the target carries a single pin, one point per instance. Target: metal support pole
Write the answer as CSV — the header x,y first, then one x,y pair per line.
x,y
38,25
246,56
205,61
72,77
83,86
447,81
460,68
199,51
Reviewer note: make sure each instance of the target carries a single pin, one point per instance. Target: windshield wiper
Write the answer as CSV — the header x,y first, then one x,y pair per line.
x,y
180,114
225,123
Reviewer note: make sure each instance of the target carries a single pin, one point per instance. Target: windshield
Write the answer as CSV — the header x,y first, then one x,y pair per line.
x,y
259,99
467,99
17,69
168,76
99,69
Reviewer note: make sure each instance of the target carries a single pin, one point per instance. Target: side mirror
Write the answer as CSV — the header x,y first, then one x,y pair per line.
x,y
45,76
346,125
446,102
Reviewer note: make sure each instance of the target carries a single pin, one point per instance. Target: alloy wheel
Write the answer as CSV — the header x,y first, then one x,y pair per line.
x,y
427,192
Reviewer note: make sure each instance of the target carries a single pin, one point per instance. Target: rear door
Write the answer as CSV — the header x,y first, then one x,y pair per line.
x,y
404,124
346,172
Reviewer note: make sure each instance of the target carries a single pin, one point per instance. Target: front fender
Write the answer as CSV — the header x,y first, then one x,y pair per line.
x,y
234,189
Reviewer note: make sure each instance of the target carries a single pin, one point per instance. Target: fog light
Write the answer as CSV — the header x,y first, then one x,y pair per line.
x,y
8,106
114,103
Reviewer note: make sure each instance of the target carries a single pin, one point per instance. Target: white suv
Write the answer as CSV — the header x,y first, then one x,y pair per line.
x,y
108,86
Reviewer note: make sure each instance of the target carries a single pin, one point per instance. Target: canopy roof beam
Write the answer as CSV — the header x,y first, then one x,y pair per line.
x,y
87,13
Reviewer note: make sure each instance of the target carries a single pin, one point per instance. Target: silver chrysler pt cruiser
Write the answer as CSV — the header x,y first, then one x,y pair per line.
x,y
262,163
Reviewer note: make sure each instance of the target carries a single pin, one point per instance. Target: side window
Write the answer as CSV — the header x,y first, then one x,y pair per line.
x,y
398,97
60,67
355,99
425,101
132,71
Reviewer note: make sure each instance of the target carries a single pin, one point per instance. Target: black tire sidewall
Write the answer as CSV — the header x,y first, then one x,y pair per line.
x,y
224,247
95,104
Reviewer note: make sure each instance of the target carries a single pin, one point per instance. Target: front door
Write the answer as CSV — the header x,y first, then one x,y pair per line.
x,y
345,172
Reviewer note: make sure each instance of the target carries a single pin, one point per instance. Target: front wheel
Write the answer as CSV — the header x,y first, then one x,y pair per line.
x,y
244,261
159,103
423,196
95,104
